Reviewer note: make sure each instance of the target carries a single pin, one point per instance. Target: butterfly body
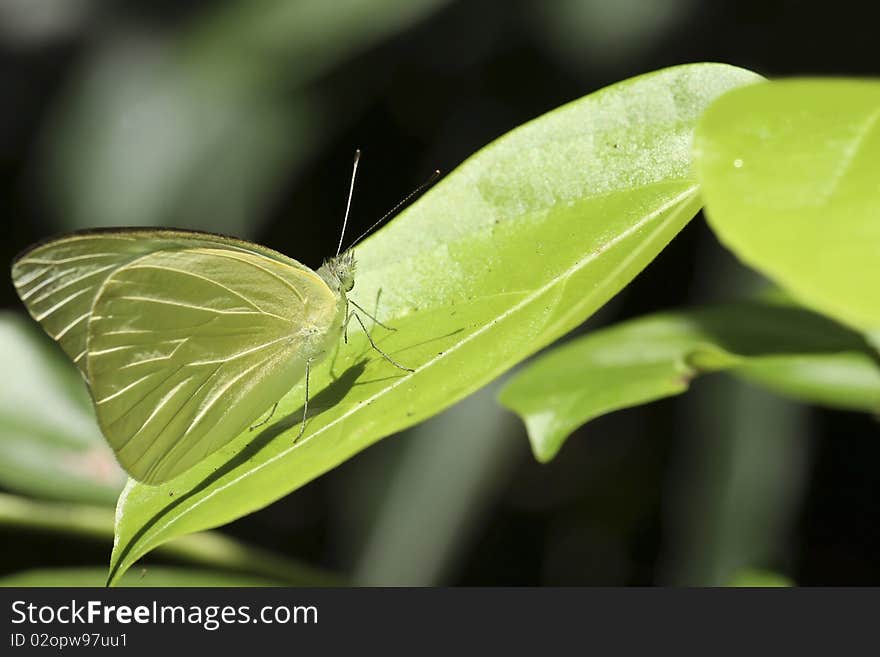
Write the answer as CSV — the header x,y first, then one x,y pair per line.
x,y
183,338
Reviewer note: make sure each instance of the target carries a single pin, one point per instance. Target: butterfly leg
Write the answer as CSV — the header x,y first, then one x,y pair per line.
x,y
302,428
271,413
376,347
345,327
389,328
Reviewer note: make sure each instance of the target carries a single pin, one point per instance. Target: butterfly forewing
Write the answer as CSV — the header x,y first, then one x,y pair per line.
x,y
187,347
59,279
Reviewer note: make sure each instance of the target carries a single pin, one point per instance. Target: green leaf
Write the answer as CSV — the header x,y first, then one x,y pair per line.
x,y
161,576
513,249
50,444
789,177
788,349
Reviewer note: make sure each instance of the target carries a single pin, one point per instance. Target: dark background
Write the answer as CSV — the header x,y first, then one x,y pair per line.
x,y
686,491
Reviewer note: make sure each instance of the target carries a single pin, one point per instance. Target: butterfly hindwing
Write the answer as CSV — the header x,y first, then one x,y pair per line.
x,y
187,347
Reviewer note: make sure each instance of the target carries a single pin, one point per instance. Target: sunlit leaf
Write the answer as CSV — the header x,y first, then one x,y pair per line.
x,y
789,177
513,249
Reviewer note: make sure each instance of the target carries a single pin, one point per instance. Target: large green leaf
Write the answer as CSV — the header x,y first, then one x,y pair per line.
x,y
789,172
787,349
513,249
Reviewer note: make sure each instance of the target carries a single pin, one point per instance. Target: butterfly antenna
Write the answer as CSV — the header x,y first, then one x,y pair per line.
x,y
397,207
354,170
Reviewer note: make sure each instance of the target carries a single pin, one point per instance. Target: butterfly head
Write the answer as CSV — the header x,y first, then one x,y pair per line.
x,y
338,272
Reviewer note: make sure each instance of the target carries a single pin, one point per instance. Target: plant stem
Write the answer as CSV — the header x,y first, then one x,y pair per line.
x,y
205,548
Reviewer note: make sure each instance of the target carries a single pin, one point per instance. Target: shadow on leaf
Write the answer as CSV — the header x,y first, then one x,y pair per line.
x,y
327,398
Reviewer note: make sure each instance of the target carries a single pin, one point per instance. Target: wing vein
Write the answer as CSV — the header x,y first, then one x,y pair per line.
x,y
23,280
250,302
67,328
143,397
170,420
124,389
64,261
241,354
74,281
180,304
180,342
60,304
162,402
267,271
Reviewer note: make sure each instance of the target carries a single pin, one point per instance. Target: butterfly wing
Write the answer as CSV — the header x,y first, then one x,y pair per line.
x,y
186,348
58,279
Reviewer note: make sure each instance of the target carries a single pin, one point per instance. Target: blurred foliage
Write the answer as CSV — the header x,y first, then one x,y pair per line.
x,y
472,442
106,121
787,349
592,33
155,576
742,485
27,22
755,577
50,444
198,129
735,484
89,523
